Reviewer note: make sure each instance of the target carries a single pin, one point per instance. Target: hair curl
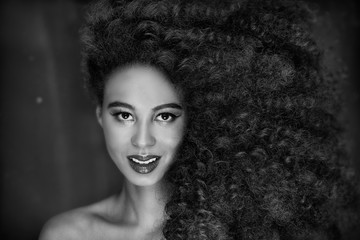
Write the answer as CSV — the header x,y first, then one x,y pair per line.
x,y
262,156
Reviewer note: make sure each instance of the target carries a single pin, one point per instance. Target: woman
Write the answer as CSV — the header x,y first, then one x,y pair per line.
x,y
220,118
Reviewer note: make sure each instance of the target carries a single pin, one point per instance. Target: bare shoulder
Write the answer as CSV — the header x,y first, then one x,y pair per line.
x,y
74,224
68,225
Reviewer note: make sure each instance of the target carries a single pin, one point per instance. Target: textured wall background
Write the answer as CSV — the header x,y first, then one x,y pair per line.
x,y
51,148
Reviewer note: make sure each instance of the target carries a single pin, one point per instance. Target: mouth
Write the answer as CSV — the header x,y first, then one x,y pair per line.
x,y
143,164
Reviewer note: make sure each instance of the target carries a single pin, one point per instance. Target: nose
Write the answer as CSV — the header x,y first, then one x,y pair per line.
x,y
143,136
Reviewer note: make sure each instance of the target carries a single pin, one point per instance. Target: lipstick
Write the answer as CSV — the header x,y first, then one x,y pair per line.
x,y
143,164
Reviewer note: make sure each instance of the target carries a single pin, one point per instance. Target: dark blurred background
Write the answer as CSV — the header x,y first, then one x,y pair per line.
x,y
51,149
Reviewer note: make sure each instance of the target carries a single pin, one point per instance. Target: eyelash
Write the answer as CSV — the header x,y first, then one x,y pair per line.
x,y
171,116
120,116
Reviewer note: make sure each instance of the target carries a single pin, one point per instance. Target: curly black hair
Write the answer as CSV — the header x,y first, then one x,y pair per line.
x,y
263,154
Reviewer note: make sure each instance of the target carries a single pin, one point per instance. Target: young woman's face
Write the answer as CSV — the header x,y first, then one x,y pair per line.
x,y
143,122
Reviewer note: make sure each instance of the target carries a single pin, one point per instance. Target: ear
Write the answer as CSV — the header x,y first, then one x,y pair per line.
x,y
98,115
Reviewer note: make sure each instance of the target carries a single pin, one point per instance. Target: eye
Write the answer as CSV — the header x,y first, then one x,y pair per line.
x,y
123,116
165,117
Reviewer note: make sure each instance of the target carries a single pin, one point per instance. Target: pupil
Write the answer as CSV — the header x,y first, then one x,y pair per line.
x,y
165,116
125,115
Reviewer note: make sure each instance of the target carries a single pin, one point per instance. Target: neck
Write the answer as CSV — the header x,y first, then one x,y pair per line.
x,y
145,204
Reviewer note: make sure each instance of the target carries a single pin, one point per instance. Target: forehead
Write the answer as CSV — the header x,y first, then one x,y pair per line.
x,y
140,84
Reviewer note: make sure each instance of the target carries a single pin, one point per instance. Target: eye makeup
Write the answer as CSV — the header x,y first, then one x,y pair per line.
x,y
164,114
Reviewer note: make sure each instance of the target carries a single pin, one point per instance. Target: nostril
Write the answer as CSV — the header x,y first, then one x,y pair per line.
x,y
143,142
143,138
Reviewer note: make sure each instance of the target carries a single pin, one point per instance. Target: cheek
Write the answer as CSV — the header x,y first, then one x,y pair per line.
x,y
172,142
116,139
173,138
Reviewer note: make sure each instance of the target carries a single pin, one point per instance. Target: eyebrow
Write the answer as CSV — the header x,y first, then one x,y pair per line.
x,y
120,104
126,105
167,105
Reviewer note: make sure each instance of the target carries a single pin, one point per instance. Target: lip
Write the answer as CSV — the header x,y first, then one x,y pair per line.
x,y
137,163
143,157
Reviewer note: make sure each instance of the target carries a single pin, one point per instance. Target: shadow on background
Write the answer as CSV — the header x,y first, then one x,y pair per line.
x,y
52,152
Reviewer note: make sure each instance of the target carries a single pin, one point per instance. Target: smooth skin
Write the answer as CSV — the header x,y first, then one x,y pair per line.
x,y
142,114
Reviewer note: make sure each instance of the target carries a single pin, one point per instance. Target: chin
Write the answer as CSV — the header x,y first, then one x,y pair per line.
x,y
145,179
